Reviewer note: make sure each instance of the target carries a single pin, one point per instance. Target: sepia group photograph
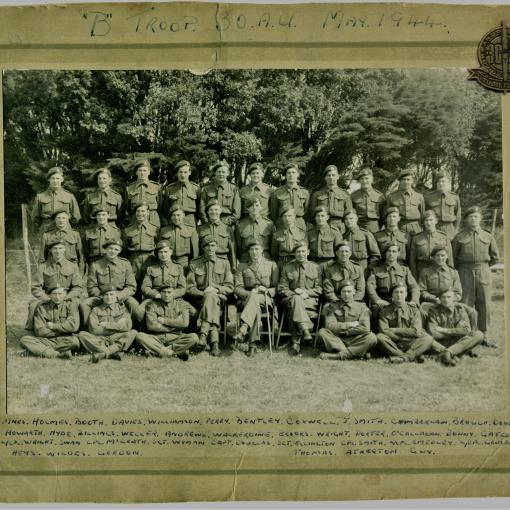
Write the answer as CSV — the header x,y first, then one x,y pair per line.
x,y
253,240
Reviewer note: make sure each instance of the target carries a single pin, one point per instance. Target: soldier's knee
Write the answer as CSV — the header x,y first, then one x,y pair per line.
x,y
477,336
25,340
371,340
382,338
75,342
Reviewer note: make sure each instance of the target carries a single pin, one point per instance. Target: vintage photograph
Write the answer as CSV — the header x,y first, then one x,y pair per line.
x,y
253,240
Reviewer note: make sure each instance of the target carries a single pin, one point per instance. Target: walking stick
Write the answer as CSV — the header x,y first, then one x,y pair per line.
x,y
269,329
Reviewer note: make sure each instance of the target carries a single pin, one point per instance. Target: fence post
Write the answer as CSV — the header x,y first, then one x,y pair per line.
x,y
26,246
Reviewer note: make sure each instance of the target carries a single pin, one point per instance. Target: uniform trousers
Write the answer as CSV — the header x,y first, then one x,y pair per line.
x,y
50,347
253,307
300,311
405,346
476,291
109,344
157,343
355,346
456,345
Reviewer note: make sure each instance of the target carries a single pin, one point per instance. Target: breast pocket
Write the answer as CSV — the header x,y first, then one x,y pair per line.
x,y
322,199
383,282
359,249
45,206
249,279
327,247
373,208
151,197
103,276
422,249
200,277
311,278
133,240
63,204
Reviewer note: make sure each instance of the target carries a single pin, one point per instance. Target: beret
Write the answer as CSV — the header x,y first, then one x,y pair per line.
x,y
163,244
328,169
253,242
400,285
300,244
437,249
212,202
365,171
472,210
141,204
55,287
182,163
102,171
108,288
429,213
440,175
391,210
176,207
251,199
285,209
142,162
391,245
255,166
54,243
58,212
112,241
207,239
55,170
320,208
347,283
349,211
342,243
101,208
221,164
164,287
405,172
290,166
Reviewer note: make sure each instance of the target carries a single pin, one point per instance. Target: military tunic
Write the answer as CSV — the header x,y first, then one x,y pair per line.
x,y
354,341
448,211
336,201
249,229
222,234
323,242
434,280
163,275
386,237
140,242
364,247
186,196
99,200
369,206
473,252
336,273
261,191
227,195
411,205
49,202
95,237
49,342
143,192
183,240
296,197
283,242
72,242
421,246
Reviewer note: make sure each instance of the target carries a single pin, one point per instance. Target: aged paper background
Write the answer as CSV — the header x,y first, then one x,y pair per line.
x,y
142,461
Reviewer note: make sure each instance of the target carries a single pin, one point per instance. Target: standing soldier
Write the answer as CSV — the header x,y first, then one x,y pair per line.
x,y
341,270
166,319
182,238
446,205
98,234
474,250
401,334
140,241
143,191
290,195
102,198
255,285
322,237
109,332
409,202
256,188
62,231
286,238
364,247
300,287
450,326
333,198
225,193
54,199
55,323
254,227
346,333
183,194
392,234
368,202
422,244
209,282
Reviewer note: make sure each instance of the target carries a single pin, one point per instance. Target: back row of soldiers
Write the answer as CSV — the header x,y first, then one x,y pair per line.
x,y
343,250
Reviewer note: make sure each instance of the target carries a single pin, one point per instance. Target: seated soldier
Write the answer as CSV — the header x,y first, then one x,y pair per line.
x,y
300,287
286,238
346,333
55,323
109,332
57,271
63,232
323,239
449,325
182,238
254,227
400,329
385,276
99,233
343,269
209,282
255,286
166,318
391,234
105,272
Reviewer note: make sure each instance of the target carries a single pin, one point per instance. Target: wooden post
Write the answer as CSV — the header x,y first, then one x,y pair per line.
x,y
26,246
494,221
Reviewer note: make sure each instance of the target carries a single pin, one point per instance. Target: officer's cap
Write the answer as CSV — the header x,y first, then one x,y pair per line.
x,y
342,243
437,249
221,164
176,207
212,202
300,244
251,199
289,166
102,171
405,173
253,242
142,162
53,288
347,283
329,168
116,242
320,208
108,288
101,208
182,163
440,175
54,215
55,170
285,209
391,245
472,210
391,210
429,213
55,243
364,171
349,211
162,244
141,204
255,166
206,240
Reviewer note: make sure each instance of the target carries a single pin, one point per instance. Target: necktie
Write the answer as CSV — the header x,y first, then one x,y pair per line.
x,y
399,318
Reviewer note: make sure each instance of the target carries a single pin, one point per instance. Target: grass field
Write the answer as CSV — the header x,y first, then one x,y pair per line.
x,y
235,382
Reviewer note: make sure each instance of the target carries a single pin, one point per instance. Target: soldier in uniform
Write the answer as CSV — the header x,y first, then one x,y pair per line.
x,y
256,188
290,195
57,271
54,199
322,237
55,323
226,194
474,250
422,244
109,332
449,325
98,234
166,319
341,270
332,197
143,191
62,231
182,238
209,282
222,233
409,202
346,333
392,234
286,238
445,204
183,194
103,198
364,247
387,275
300,287
140,241
110,270
255,285
401,334
368,202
